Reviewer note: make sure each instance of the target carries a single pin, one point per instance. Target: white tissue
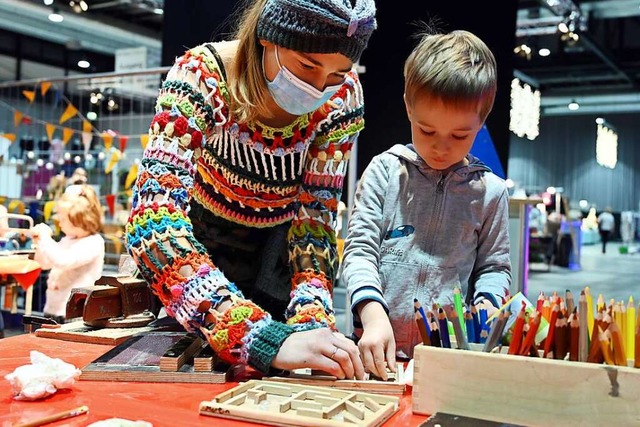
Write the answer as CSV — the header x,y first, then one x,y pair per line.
x,y
408,374
43,377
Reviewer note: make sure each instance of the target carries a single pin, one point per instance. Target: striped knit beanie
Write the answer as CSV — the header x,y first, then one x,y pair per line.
x,y
319,26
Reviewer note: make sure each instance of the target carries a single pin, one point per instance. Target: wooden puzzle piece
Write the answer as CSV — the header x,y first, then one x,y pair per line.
x,y
288,404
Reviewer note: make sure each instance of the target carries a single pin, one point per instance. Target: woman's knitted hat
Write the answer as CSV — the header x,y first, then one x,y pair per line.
x,y
319,26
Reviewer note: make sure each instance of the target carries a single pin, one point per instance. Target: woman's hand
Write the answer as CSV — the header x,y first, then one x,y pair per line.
x,y
378,344
41,230
323,350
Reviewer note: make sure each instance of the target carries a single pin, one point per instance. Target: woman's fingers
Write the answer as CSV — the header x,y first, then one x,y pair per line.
x,y
355,367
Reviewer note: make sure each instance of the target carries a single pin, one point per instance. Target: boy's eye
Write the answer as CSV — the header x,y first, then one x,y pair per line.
x,y
306,66
460,137
427,132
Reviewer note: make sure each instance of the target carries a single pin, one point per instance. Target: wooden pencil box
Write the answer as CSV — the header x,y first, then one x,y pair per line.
x,y
524,390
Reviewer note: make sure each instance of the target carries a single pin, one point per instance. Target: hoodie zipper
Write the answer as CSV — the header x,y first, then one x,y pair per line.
x,y
440,185
435,220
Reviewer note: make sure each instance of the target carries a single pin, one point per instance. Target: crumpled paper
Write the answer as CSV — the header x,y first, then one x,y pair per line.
x,y
43,377
120,422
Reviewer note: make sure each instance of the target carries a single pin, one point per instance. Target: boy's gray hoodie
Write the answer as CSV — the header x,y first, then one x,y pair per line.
x,y
415,233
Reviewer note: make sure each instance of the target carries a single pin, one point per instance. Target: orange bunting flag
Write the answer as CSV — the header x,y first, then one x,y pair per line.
x,y
108,140
44,87
86,126
67,133
111,203
69,112
17,118
29,94
10,136
144,140
115,158
123,142
131,176
50,130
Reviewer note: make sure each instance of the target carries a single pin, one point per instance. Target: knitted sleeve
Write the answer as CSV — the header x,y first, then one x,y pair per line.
x,y
159,235
312,237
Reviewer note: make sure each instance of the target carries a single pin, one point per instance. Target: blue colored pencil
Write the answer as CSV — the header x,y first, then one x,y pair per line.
x,y
471,331
483,325
476,323
417,306
444,328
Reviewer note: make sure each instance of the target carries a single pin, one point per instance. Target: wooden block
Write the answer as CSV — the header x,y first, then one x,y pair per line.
x,y
536,391
204,359
335,407
79,332
139,357
180,353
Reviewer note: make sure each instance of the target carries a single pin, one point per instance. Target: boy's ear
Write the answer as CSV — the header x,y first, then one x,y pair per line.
x,y
407,106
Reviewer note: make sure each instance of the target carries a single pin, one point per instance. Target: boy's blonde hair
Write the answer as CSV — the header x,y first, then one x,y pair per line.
x,y
457,68
82,206
247,85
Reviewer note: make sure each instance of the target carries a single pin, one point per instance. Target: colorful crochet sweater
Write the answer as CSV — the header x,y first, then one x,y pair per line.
x,y
250,174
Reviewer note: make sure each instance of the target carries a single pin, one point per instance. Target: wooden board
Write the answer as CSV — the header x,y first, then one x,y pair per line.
x,y
284,404
395,384
138,359
524,390
79,332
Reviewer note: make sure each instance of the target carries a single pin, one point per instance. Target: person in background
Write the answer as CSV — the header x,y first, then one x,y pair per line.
x,y
234,208
78,258
606,225
428,216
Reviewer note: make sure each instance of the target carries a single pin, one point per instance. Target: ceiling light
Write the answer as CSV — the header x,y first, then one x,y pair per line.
x,y
600,120
48,2
573,105
83,63
563,28
55,16
544,52
92,115
158,11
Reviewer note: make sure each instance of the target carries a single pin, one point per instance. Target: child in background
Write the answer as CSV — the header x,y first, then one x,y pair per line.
x,y
77,259
428,216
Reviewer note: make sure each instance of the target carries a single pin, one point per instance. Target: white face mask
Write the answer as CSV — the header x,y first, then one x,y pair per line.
x,y
296,96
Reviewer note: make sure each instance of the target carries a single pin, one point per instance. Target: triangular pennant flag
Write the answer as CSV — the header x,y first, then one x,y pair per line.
x,y
86,126
108,140
67,133
115,158
87,137
50,130
131,176
17,118
48,210
69,112
123,142
10,136
29,94
144,140
44,87
16,206
111,203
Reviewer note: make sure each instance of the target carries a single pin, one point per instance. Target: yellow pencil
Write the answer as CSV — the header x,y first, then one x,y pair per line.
x,y
587,294
600,303
55,417
630,330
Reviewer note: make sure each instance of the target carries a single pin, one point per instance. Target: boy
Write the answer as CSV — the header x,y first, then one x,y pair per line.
x,y
429,216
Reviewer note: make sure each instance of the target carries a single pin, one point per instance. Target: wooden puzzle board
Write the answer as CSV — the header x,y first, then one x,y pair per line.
x,y
276,403
395,384
143,358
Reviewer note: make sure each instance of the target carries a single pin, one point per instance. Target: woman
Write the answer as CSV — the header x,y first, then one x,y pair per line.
x,y
234,207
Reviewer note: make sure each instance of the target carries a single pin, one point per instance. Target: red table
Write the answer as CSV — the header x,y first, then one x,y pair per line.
x,y
162,404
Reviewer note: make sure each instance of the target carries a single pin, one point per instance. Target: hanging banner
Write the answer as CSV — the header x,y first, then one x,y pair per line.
x,y
69,112
44,87
108,140
115,158
87,137
29,94
17,118
123,142
86,126
144,140
111,203
131,176
50,130
67,133
10,136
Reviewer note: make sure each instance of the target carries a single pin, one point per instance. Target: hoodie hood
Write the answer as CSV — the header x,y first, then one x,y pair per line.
x,y
409,153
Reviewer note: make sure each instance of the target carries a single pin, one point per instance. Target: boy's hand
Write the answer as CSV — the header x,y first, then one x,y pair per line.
x,y
487,306
42,230
377,343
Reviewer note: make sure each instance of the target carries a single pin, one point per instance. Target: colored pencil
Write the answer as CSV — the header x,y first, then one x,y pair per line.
x,y
636,359
617,340
461,338
568,298
457,304
420,322
630,329
55,417
530,339
590,314
496,331
561,338
549,341
516,336
435,333
477,327
443,324
583,336
595,351
471,327
605,345
418,307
